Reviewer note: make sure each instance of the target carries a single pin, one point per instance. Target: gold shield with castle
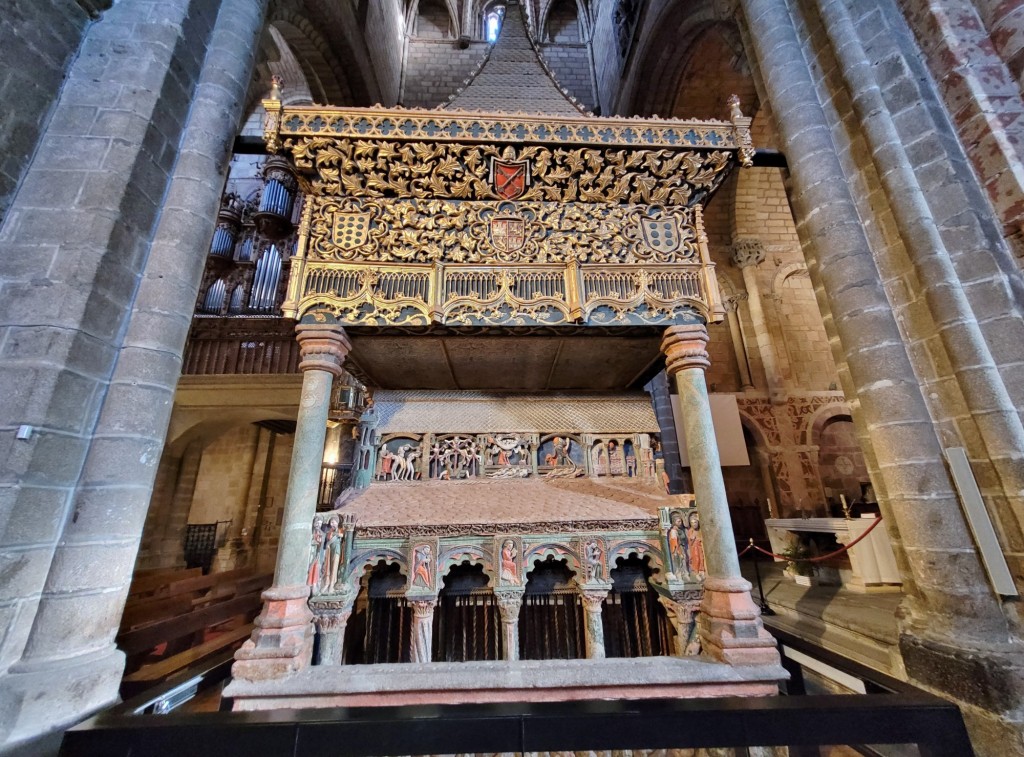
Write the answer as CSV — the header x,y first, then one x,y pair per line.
x,y
508,233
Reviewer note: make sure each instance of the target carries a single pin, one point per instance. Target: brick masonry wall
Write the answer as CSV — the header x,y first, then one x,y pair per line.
x,y
38,38
977,62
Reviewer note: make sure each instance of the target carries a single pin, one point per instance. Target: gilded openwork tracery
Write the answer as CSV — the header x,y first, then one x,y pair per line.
x,y
463,219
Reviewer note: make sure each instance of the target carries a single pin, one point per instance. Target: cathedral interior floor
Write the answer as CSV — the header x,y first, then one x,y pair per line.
x,y
861,626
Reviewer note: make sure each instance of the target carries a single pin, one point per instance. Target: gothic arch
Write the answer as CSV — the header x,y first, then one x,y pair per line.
x,y
544,19
686,40
785,272
412,13
822,417
324,74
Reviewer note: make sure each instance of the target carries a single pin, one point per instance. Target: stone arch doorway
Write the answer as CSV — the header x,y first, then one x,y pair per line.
x,y
467,625
842,468
635,623
380,628
551,623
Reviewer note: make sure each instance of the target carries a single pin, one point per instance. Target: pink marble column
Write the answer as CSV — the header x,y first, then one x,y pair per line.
x,y
730,622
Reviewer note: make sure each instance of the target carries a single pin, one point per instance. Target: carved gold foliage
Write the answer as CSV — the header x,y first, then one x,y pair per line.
x,y
446,231
383,168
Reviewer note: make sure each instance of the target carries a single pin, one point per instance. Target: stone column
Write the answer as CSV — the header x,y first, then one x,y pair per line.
x,y
509,604
949,607
730,622
331,618
421,640
121,257
592,600
747,254
739,347
283,640
680,613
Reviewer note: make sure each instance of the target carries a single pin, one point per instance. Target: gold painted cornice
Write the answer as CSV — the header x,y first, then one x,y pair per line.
x,y
422,125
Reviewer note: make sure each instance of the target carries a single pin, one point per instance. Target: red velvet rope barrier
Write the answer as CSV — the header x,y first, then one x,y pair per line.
x,y
819,558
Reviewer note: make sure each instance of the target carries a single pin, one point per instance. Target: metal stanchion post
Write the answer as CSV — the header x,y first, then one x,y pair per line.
x,y
765,609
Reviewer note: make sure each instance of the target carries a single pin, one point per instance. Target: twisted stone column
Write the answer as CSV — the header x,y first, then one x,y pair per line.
x,y
421,640
330,619
283,640
592,601
730,622
509,605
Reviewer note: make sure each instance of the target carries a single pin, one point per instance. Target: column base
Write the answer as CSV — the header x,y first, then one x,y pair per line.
x,y
282,643
47,696
730,625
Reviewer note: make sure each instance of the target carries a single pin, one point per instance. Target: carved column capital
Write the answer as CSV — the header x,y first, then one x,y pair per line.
x,y
509,604
593,599
685,347
732,303
747,252
423,608
323,347
330,616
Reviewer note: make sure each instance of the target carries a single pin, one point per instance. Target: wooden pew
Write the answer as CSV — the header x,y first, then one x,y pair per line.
x,y
185,620
157,581
157,672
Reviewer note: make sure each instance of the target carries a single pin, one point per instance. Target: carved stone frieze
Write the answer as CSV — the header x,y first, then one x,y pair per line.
x,y
423,170
553,527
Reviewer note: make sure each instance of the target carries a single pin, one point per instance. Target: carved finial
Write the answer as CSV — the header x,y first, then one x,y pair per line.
x,y
734,107
275,87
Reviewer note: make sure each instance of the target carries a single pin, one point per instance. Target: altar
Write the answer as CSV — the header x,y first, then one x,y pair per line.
x,y
872,562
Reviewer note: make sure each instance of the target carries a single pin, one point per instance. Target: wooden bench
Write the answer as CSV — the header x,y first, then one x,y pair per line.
x,y
184,620
154,582
149,675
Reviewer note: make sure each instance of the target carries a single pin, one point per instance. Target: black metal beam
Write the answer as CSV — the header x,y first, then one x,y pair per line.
x,y
932,723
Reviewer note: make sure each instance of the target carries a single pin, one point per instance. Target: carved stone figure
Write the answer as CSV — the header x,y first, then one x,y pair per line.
x,y
509,566
316,554
677,546
421,566
695,545
334,541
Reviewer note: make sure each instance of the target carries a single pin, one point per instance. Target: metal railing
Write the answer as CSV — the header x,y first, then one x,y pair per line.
x,y
800,722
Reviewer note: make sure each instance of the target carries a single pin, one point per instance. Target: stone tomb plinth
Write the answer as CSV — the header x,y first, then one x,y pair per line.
x,y
501,681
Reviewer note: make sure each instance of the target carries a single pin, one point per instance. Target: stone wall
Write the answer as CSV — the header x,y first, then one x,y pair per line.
x,y
436,68
37,41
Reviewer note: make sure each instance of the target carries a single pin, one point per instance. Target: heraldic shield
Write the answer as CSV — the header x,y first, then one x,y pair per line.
x,y
508,233
351,230
661,234
509,179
